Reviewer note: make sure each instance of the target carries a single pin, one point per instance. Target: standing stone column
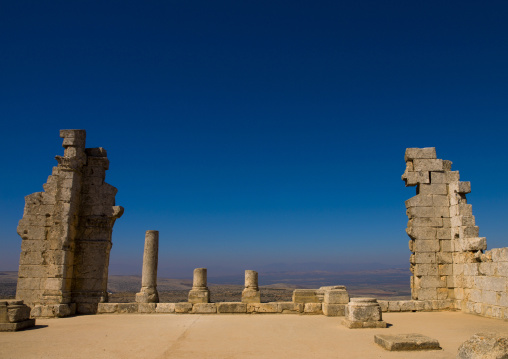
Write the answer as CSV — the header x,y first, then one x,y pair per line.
x,y
251,292
199,292
148,293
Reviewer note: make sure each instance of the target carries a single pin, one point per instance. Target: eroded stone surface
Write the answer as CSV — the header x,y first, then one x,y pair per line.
x,y
484,346
66,233
363,313
403,342
14,316
231,307
449,261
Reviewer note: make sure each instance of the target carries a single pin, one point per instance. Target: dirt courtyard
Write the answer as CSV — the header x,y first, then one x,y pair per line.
x,y
161,336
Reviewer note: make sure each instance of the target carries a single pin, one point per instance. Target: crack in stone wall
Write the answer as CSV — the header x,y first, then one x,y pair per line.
x,y
449,260
66,233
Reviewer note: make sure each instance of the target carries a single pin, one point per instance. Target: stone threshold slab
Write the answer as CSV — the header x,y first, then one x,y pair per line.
x,y
406,342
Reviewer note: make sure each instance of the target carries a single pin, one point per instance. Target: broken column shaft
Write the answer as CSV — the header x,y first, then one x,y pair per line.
x,y
199,292
251,292
148,293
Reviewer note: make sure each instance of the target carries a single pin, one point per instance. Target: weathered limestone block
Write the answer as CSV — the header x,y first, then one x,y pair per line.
x,y
363,313
420,153
406,342
313,308
107,308
148,293
147,308
165,308
305,296
127,308
336,296
231,307
251,293
472,244
14,316
199,292
290,307
204,308
53,310
334,310
183,307
407,305
484,346
262,308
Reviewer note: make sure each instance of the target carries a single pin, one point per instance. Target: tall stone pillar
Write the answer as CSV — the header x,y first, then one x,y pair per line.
x,y
251,292
199,292
148,293
66,234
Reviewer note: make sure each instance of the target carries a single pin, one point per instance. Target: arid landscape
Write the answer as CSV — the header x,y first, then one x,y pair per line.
x,y
275,286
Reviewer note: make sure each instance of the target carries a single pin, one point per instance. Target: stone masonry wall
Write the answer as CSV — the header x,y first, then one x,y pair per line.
x,y
66,233
448,259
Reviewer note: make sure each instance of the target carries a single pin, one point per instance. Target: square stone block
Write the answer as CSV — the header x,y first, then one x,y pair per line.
x,y
104,308
204,308
251,296
124,308
336,296
262,308
403,342
53,310
363,310
290,308
313,308
231,307
165,308
147,308
183,307
305,296
334,310
13,327
363,325
199,296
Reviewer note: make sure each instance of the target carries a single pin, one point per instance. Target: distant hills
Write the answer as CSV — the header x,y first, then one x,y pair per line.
x,y
381,283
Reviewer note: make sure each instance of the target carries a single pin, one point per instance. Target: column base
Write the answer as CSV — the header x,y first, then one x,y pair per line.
x,y
199,296
251,296
148,296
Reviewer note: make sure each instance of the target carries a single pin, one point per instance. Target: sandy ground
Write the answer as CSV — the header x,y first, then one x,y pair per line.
x,y
235,336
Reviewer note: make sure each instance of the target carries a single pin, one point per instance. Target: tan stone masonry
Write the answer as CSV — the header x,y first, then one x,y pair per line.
x,y
449,260
66,233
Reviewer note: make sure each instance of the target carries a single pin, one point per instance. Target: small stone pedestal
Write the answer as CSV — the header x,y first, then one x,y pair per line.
x,y
14,315
199,292
363,313
251,292
335,301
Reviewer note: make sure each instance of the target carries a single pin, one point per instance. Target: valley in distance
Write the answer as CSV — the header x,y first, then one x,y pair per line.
x,y
391,283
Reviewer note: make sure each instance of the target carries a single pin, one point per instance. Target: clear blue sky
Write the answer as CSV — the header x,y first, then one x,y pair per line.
x,y
253,134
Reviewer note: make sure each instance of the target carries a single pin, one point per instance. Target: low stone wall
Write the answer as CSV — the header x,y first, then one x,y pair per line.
x,y
273,307
481,282
416,305
211,308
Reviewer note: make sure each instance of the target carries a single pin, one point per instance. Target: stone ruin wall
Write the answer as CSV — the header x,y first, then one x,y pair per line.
x,y
449,260
66,233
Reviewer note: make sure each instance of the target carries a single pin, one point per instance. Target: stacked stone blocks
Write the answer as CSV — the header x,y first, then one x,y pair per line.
x,y
449,260
14,316
66,233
